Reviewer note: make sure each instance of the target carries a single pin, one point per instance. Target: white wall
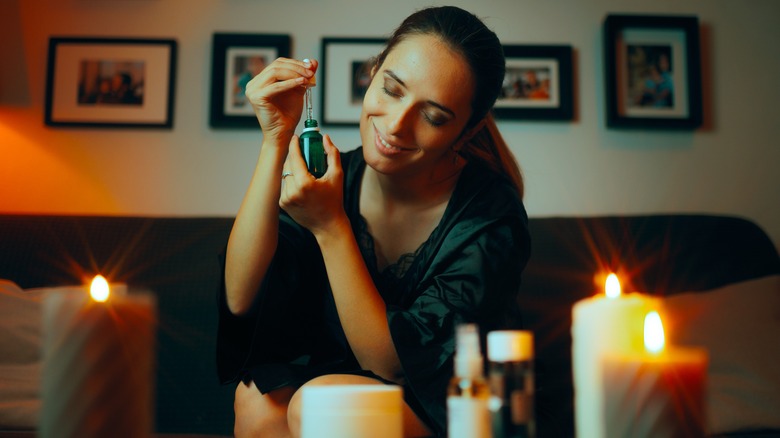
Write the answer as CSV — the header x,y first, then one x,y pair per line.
x,y
571,168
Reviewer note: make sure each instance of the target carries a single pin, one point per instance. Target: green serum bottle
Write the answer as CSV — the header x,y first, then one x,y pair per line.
x,y
310,142
311,148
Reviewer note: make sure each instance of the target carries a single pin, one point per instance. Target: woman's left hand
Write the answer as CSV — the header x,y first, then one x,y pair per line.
x,y
315,203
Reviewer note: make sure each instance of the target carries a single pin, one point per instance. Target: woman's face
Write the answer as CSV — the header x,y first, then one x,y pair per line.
x,y
416,108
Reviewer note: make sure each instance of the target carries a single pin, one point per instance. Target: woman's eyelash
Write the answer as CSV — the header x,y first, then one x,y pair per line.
x,y
390,93
432,121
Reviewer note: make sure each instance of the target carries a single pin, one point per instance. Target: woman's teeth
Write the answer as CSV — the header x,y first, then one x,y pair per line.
x,y
384,143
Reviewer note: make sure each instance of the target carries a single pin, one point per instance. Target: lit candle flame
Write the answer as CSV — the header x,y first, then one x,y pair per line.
x,y
612,286
654,333
99,289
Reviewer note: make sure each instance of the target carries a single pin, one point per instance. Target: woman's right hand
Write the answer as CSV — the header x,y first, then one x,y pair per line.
x,y
276,95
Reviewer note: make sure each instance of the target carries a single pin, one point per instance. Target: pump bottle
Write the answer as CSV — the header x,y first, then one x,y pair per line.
x,y
468,395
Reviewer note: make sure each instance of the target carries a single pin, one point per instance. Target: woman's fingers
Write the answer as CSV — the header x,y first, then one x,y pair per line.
x,y
281,75
295,161
283,69
333,156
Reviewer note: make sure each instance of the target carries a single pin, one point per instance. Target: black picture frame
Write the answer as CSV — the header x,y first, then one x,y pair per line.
x,y
537,83
110,82
236,58
652,71
344,73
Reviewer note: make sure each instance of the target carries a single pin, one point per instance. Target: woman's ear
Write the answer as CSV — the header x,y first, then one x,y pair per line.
x,y
470,133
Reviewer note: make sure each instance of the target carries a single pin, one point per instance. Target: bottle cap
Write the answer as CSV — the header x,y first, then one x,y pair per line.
x,y
510,345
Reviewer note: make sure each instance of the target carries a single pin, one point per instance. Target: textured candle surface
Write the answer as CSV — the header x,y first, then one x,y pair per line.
x,y
652,396
98,365
602,326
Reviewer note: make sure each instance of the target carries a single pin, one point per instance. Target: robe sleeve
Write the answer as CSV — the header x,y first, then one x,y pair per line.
x,y
274,331
474,278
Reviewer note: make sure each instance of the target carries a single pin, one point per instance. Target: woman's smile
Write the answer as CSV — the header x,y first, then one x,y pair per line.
x,y
387,149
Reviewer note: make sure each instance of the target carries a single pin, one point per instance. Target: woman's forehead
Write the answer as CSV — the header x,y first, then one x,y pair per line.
x,y
430,64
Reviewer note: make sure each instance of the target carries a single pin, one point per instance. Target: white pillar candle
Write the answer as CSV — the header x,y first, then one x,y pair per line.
x,y
352,411
605,324
659,392
98,364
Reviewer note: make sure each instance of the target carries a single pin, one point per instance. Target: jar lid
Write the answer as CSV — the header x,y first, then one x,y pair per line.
x,y
348,398
510,345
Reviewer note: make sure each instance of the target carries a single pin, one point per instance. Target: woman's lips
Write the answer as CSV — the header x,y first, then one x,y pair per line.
x,y
385,148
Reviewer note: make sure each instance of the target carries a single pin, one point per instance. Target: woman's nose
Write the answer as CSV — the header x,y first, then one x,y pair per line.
x,y
399,119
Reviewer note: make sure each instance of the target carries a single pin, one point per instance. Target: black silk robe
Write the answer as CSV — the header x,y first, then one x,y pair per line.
x,y
467,271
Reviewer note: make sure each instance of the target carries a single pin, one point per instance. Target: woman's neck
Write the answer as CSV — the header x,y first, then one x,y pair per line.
x,y
413,190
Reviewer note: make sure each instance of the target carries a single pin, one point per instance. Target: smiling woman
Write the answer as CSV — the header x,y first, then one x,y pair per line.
x,y
363,274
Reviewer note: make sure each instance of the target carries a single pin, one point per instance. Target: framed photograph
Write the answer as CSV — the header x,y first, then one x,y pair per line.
x,y
652,71
237,58
537,83
345,77
110,82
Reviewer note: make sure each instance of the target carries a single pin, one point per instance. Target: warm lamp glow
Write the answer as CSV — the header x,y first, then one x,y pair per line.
x,y
612,286
654,333
99,289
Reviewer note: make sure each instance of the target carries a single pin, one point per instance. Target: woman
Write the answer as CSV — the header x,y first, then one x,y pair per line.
x,y
363,274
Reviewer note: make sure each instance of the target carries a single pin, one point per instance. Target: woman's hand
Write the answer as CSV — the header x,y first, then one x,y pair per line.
x,y
276,95
316,204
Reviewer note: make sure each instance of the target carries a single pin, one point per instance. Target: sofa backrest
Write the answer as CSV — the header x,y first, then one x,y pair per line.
x,y
176,258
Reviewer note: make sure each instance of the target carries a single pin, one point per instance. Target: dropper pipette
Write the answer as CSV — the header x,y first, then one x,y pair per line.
x,y
309,114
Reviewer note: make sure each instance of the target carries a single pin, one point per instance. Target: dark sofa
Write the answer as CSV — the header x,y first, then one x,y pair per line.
x,y
176,258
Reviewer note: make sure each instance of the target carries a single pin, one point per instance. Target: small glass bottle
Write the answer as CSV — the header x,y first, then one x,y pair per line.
x,y
468,394
511,379
312,150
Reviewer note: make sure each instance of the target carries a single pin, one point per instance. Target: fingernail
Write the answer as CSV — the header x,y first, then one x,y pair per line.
x,y
307,62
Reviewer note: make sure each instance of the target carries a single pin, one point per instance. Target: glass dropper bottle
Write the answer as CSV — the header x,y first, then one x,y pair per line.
x,y
310,140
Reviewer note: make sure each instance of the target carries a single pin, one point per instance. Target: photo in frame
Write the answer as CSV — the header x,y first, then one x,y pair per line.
x,y
110,82
537,83
652,71
345,76
236,59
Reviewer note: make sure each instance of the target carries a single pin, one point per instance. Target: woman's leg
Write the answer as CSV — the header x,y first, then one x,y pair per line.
x,y
261,414
413,426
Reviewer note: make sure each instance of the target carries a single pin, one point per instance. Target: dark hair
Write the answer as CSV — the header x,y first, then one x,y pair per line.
x,y
480,47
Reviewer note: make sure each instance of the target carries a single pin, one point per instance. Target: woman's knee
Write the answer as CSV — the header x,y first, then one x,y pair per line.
x,y
258,414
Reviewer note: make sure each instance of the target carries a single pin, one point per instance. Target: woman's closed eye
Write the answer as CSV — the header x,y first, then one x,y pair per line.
x,y
432,119
390,93
432,114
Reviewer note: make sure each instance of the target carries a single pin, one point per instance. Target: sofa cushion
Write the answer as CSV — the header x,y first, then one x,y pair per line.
x,y
20,356
738,324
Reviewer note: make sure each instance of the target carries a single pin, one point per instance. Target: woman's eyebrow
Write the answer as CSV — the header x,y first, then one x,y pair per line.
x,y
430,102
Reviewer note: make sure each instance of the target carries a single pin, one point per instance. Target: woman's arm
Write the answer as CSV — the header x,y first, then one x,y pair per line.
x,y
276,95
361,309
317,204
